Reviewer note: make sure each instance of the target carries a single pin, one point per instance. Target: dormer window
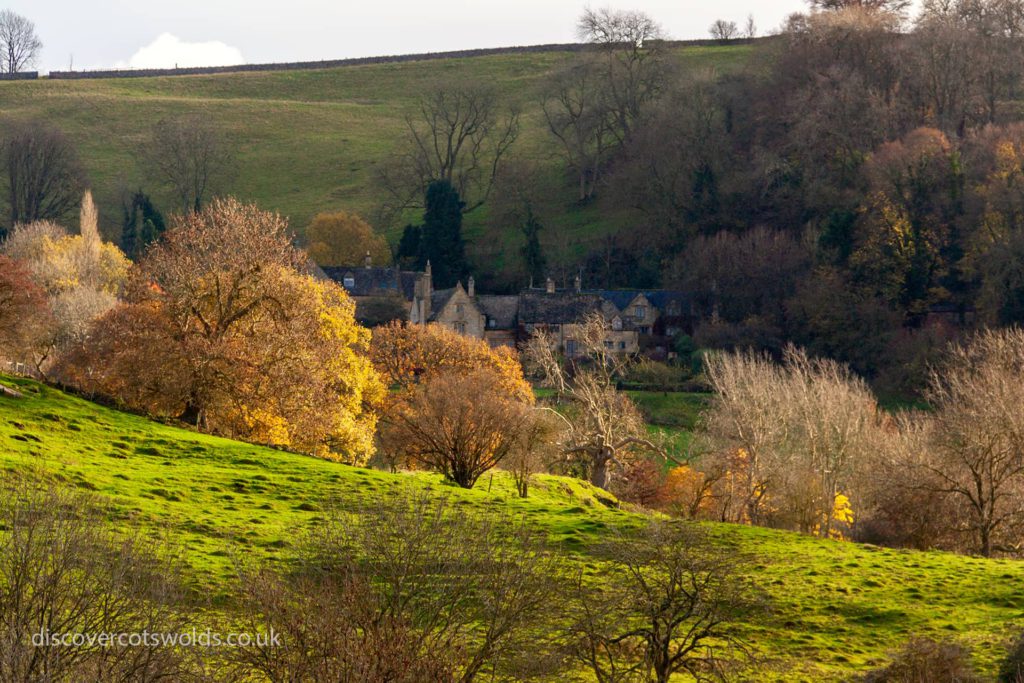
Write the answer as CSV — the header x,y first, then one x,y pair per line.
x,y
639,312
349,282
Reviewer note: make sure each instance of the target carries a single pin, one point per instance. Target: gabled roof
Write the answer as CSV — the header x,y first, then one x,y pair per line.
x,y
659,298
503,310
439,298
557,308
374,281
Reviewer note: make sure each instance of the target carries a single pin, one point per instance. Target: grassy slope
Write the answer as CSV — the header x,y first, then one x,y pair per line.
x,y
836,607
308,141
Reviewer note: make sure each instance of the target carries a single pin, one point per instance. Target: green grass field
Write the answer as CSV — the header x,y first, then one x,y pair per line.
x,y
309,141
835,608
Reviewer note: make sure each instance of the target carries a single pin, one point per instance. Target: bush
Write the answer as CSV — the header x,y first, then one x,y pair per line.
x,y
1012,670
925,661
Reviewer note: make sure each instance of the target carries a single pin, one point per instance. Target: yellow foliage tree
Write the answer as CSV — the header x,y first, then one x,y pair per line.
x,y
344,239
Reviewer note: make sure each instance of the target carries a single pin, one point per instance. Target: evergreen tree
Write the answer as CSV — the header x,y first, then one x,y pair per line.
x,y
410,248
442,242
533,254
143,224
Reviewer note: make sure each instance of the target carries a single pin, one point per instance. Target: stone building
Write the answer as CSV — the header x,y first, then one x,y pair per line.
x,y
638,320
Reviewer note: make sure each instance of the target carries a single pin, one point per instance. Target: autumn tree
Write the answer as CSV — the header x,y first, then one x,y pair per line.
x,y
345,239
19,44
44,176
460,425
662,605
978,455
223,328
190,157
459,134
81,275
603,426
406,355
24,314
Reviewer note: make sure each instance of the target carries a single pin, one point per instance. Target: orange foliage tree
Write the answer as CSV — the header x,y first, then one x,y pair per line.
x,y
405,355
224,328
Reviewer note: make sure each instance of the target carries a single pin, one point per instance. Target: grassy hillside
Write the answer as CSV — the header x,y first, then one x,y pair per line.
x,y
835,607
307,141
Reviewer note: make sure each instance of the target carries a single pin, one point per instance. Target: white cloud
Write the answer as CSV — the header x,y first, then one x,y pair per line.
x,y
169,51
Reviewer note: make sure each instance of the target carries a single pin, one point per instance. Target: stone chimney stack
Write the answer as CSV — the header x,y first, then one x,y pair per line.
x,y
549,286
471,287
368,260
577,283
423,290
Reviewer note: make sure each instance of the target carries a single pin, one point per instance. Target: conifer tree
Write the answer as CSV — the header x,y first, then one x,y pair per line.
x,y
442,242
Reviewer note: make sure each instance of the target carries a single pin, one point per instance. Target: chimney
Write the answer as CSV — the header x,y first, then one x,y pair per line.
x,y
368,260
577,283
549,286
471,287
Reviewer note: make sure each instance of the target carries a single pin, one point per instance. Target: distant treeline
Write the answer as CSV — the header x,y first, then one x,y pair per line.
x,y
332,63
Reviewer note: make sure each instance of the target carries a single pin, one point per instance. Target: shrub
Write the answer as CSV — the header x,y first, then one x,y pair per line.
x,y
923,661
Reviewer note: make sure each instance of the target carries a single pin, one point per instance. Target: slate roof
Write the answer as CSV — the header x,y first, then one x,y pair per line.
x,y
503,310
374,281
560,307
659,298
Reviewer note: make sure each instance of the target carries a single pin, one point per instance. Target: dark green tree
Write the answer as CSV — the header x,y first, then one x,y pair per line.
x,y
442,242
143,224
532,252
410,248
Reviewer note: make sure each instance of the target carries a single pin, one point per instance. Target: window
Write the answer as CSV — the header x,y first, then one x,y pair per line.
x,y
491,322
617,323
673,308
349,282
609,344
554,328
639,312
460,328
459,308
571,348
622,346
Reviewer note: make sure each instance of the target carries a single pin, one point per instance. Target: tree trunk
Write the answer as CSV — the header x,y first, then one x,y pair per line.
x,y
599,471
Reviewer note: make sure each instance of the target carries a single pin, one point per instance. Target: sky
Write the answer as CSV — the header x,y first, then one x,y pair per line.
x,y
91,34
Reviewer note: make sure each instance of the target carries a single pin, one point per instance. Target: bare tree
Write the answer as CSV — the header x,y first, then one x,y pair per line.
x,y
64,572
19,44
44,176
798,433
979,450
870,5
473,585
750,28
662,607
629,43
330,628
724,30
576,111
191,158
604,426
459,133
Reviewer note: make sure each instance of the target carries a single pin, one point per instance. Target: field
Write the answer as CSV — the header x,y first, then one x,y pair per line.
x,y
835,608
309,141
